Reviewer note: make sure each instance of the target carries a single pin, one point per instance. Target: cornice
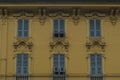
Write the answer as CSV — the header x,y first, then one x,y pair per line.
x,y
73,13
59,5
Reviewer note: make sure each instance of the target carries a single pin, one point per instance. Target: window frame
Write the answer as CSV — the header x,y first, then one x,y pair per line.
x,y
59,27
23,33
21,64
97,65
60,64
96,32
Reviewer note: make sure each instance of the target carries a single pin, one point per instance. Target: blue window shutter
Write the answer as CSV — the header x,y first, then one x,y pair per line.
x,y
19,64
98,28
55,26
62,25
62,63
92,29
20,29
92,64
26,26
55,64
99,64
25,63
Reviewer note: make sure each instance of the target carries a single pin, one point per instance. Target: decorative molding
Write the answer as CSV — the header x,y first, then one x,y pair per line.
x,y
88,55
58,13
3,15
58,45
23,14
66,55
42,15
114,16
94,14
23,45
76,16
95,44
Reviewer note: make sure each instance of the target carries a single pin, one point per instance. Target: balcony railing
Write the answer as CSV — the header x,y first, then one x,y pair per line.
x,y
96,78
22,77
59,77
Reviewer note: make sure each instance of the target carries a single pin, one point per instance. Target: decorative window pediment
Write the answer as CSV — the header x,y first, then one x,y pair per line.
x,y
114,16
59,45
23,45
58,13
23,14
76,16
94,14
95,44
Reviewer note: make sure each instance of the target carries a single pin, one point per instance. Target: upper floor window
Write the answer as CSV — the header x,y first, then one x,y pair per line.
x,y
95,28
59,28
58,64
23,27
22,64
96,64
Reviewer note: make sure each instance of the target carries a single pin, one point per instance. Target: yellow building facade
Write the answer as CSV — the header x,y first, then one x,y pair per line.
x,y
72,41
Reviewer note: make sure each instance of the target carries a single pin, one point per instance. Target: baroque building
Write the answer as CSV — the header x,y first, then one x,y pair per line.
x,y
59,40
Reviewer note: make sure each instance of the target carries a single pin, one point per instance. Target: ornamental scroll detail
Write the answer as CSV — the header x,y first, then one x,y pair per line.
x,y
94,14
42,15
59,45
23,45
114,16
3,15
95,44
76,16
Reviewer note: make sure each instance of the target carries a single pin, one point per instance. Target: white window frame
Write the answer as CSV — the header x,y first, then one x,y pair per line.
x,y
22,29
95,30
59,28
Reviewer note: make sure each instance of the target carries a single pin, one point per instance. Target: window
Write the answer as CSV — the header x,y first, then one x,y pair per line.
x,y
96,64
23,25
58,67
59,28
22,64
95,28
59,64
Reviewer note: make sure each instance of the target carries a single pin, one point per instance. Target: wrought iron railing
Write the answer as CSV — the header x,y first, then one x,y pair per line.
x,y
22,77
59,77
96,77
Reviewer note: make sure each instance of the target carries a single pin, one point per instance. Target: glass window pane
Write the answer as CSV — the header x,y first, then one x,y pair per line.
x,y
97,24
56,25
91,22
93,63
25,33
98,34
20,34
96,64
62,25
26,24
20,22
92,33
22,63
59,62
